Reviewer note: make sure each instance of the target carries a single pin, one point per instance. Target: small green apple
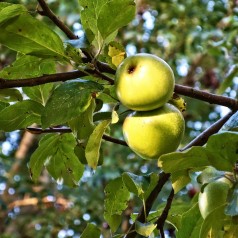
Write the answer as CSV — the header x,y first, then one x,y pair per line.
x,y
144,82
153,133
213,196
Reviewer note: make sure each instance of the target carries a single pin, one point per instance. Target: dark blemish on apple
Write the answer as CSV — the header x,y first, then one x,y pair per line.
x,y
131,69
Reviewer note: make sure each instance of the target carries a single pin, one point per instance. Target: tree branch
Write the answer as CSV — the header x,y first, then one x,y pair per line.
x,y
37,130
203,137
161,220
182,90
148,204
51,78
206,96
46,11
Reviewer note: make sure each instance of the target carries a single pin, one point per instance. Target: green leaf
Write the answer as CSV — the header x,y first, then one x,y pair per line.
x,y
191,222
115,54
209,174
56,152
118,236
20,115
40,93
231,209
223,150
47,147
10,95
124,10
99,22
231,230
79,151
109,95
191,158
28,35
92,150
180,179
28,66
176,212
144,229
4,5
72,98
3,105
134,183
10,11
115,117
152,179
83,126
212,225
116,199
180,163
92,231
220,152
73,53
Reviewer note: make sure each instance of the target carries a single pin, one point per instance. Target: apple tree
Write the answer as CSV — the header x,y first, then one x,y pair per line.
x,y
57,88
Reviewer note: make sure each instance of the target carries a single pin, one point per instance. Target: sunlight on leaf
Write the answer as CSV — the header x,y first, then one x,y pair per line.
x,y
115,53
92,150
144,229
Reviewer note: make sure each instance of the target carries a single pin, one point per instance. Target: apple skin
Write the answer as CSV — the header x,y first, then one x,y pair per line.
x,y
144,82
153,133
213,196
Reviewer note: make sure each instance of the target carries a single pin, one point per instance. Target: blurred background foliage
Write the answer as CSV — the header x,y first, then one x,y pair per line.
x,y
198,38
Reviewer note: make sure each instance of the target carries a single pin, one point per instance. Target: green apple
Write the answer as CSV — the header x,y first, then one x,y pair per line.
x,y
153,133
144,82
213,196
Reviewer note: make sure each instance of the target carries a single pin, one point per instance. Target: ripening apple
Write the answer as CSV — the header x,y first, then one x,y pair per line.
x,y
213,196
153,133
144,82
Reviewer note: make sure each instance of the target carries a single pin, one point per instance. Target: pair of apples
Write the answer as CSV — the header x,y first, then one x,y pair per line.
x,y
145,84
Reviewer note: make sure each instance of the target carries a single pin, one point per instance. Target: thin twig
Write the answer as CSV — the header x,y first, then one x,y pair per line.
x,y
103,67
38,130
114,140
46,11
